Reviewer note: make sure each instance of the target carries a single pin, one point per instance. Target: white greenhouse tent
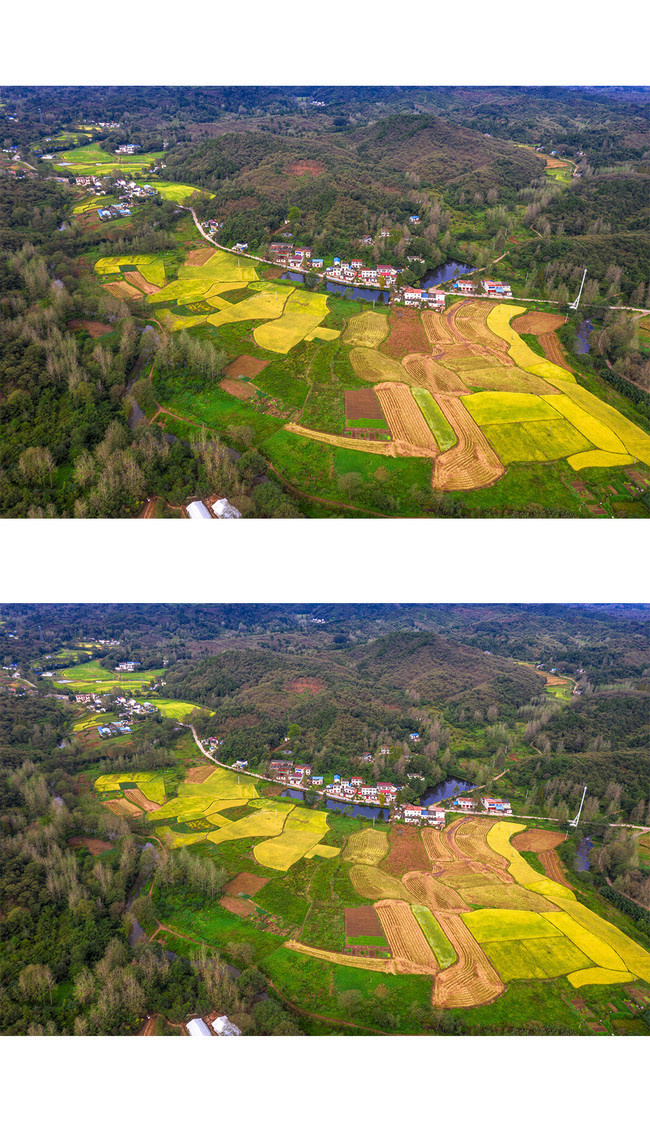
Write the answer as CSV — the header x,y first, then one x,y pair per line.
x,y
198,510
224,509
225,1027
198,1027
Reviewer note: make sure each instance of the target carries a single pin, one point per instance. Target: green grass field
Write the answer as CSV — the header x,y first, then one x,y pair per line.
x,y
90,160
90,676
445,435
435,936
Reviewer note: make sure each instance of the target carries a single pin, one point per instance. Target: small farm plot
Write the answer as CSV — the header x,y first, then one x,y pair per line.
x,y
508,925
151,267
373,883
471,320
599,434
267,821
362,407
364,922
405,420
368,846
407,852
407,943
368,330
303,829
407,334
429,891
636,957
436,845
593,458
436,328
152,785
508,407
498,320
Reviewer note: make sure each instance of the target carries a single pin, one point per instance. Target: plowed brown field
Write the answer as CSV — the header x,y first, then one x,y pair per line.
x,y
553,351
241,389
362,921
241,907
472,462
95,847
436,328
471,980
245,366
122,807
408,944
436,846
200,773
95,329
122,290
429,374
138,797
245,884
405,420
201,256
139,280
406,852
537,839
406,334
432,893
537,322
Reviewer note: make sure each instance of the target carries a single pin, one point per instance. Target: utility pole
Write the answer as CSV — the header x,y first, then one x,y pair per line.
x,y
574,305
574,823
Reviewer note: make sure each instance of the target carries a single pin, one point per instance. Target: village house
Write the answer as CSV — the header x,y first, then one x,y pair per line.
x,y
496,289
385,233
127,149
414,219
384,788
356,781
316,779
317,262
386,272
305,770
225,1027
304,252
127,665
465,803
497,807
465,286
384,751
240,764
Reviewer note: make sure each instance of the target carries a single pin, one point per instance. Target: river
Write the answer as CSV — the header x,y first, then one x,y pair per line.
x,y
582,857
584,329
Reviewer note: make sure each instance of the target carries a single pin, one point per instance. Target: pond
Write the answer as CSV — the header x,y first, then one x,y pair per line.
x,y
584,329
343,290
453,786
449,270
582,857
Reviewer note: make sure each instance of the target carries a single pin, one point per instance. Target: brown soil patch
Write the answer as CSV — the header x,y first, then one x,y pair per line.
x,y
200,256
138,797
407,424
380,965
237,906
199,773
241,389
471,980
432,893
305,685
407,334
536,322
122,807
363,404
553,351
95,847
406,853
139,280
306,168
95,329
245,366
362,921
407,943
122,290
471,463
245,884
537,839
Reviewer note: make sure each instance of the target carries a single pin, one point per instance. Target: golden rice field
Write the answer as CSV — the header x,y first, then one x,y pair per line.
x,y
436,328
405,420
598,459
302,830
594,430
371,365
408,944
368,846
268,821
596,976
302,313
368,330
373,883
